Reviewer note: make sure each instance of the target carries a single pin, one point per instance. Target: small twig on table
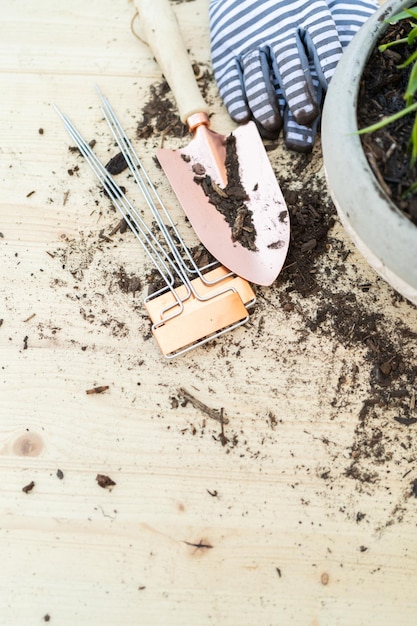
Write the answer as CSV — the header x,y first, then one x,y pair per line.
x,y
165,132
200,545
120,227
99,389
223,437
197,404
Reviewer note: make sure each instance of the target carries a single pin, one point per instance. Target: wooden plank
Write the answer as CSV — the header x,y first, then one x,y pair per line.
x,y
261,523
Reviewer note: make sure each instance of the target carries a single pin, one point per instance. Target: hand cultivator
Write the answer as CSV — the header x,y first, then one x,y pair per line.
x,y
195,304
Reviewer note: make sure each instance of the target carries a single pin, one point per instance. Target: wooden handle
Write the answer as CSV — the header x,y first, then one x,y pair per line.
x,y
159,28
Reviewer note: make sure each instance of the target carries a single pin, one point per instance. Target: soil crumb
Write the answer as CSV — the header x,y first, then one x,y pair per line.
x,y
117,164
105,482
128,284
28,488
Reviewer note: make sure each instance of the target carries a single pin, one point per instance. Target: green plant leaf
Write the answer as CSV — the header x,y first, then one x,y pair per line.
x,y
387,120
413,143
411,86
403,15
412,36
412,11
410,60
391,44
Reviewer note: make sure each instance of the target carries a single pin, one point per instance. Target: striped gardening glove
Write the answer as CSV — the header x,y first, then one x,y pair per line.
x,y
273,59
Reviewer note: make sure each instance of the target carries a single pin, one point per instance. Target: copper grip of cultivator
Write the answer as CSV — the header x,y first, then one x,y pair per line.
x,y
182,319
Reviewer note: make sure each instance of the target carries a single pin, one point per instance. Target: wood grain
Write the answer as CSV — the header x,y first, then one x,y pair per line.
x,y
263,527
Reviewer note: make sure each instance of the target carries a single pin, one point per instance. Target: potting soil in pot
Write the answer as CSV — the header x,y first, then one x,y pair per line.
x,y
381,94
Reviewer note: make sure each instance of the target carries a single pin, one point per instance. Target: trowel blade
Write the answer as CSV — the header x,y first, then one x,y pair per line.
x,y
270,217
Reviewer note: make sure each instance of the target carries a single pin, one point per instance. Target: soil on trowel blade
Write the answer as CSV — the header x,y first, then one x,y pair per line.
x,y
230,200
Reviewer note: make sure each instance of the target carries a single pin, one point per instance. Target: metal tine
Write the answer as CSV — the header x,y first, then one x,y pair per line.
x,y
179,269
152,197
143,180
151,245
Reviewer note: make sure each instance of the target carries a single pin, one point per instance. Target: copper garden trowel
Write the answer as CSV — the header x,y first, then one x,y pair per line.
x,y
253,240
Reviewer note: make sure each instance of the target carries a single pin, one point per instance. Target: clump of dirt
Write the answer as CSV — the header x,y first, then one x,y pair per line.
x,y
230,200
105,482
128,284
381,94
117,164
159,114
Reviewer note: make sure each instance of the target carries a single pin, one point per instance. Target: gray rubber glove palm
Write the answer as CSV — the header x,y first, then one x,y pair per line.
x,y
273,59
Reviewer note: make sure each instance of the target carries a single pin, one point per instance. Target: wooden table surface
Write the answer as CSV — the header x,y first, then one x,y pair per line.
x,y
305,512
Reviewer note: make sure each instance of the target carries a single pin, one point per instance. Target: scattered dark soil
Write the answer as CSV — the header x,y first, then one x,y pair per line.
x,y
117,164
230,200
28,488
391,379
312,215
381,94
128,284
340,314
332,307
105,481
159,114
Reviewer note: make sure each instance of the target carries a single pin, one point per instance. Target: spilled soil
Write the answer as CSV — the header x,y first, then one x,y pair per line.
x,y
319,292
339,313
